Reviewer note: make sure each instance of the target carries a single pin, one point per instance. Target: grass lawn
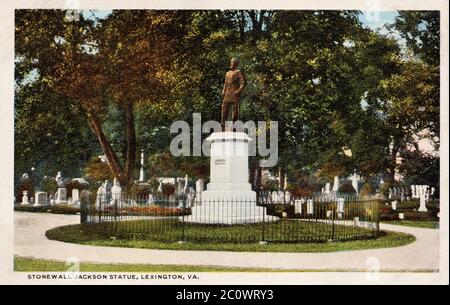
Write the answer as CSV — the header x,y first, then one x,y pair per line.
x,y
85,235
23,264
415,223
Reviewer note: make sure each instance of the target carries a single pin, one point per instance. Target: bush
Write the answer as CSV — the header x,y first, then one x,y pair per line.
x,y
98,171
347,188
168,189
57,209
278,209
49,185
32,208
64,209
139,190
25,185
366,190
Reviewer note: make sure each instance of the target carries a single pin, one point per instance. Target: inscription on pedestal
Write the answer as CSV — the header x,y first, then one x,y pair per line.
x,y
220,162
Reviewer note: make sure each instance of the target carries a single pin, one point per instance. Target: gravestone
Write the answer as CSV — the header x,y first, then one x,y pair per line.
x,y
336,184
25,198
76,197
298,203
61,194
275,197
199,186
116,192
310,206
423,193
41,198
102,195
340,206
394,205
355,182
327,188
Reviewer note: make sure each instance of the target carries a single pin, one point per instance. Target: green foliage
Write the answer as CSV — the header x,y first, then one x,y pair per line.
x,y
97,171
347,188
366,190
168,189
333,86
56,209
49,185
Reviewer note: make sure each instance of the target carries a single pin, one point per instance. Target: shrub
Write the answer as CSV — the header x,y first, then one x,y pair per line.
x,y
366,189
32,208
384,189
49,185
57,209
98,171
64,209
168,189
139,190
347,188
25,185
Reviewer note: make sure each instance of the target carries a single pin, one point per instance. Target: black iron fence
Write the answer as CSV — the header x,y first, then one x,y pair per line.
x,y
272,217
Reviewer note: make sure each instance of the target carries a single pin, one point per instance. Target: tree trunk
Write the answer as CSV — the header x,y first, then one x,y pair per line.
x,y
131,144
111,157
281,174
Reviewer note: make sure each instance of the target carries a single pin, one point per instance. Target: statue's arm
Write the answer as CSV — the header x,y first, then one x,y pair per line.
x,y
242,81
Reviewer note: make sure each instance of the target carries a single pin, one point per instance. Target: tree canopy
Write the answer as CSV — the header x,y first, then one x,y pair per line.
x,y
114,85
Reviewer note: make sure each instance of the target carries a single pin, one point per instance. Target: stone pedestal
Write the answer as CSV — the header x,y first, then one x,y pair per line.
x,y
228,198
25,198
61,196
422,207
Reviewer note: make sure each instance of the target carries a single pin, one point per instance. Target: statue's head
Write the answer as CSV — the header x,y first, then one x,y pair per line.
x,y
234,63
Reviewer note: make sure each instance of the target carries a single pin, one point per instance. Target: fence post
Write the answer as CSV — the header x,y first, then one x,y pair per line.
x,y
182,220
332,222
264,224
83,210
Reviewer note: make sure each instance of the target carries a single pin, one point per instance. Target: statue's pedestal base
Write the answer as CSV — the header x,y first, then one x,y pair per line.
x,y
228,198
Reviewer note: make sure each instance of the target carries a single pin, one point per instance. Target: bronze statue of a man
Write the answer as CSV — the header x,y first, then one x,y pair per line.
x,y
234,84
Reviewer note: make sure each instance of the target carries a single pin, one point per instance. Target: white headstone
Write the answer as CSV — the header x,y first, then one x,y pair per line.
x,y
298,206
101,195
199,186
141,173
25,197
61,196
116,192
422,200
355,182
340,205
275,197
336,184
327,188
76,196
394,205
309,206
41,198
186,183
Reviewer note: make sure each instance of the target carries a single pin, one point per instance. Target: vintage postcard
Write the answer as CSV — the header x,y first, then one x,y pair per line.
x,y
234,143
